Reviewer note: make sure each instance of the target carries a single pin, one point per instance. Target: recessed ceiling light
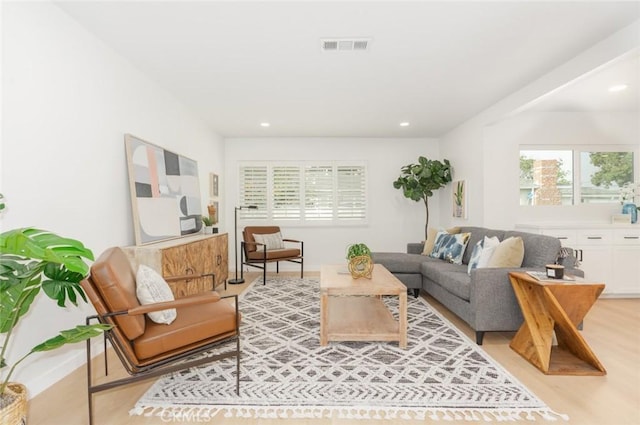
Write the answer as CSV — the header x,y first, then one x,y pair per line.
x,y
617,87
405,124
264,124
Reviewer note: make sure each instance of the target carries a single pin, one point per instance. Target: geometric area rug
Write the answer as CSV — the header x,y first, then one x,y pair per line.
x,y
285,373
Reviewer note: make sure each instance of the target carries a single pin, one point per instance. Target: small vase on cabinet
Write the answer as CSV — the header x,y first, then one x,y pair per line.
x,y
630,208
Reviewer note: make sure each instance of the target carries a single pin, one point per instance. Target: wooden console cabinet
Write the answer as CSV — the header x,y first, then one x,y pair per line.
x,y
191,255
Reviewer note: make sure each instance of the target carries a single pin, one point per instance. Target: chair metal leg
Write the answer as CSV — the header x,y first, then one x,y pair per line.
x,y
89,393
106,362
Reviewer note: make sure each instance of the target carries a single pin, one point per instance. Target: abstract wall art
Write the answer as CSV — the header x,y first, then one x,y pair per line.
x,y
165,192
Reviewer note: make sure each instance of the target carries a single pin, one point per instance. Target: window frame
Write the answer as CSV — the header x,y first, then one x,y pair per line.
x,y
577,151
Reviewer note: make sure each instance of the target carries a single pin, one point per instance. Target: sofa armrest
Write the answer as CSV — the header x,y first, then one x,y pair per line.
x,y
415,247
492,299
573,272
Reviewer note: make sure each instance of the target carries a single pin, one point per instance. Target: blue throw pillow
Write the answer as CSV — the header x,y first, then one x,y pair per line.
x,y
450,247
475,256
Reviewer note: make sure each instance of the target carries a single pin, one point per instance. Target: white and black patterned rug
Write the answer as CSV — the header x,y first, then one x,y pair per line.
x,y
285,373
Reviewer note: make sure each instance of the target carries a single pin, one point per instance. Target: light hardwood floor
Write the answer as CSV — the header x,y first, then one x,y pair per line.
x,y
612,329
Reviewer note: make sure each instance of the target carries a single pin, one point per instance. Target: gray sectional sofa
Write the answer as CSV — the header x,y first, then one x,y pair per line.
x,y
484,299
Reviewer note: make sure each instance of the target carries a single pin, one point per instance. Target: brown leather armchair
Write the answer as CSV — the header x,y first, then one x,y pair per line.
x,y
148,349
256,254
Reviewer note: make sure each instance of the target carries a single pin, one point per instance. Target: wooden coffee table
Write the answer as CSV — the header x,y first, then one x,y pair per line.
x,y
353,310
558,307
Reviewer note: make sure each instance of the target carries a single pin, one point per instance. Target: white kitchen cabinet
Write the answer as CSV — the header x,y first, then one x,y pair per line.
x,y
610,253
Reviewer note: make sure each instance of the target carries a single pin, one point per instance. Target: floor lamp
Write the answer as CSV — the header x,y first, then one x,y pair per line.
x,y
238,280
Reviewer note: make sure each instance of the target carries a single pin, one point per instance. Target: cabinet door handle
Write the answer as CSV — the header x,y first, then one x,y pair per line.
x,y
562,237
218,260
631,237
594,237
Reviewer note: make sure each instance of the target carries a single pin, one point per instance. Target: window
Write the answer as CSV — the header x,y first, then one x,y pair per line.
x,y
603,174
546,177
304,192
569,176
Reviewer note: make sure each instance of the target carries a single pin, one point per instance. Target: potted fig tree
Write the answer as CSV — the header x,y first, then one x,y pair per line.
x,y
419,181
34,261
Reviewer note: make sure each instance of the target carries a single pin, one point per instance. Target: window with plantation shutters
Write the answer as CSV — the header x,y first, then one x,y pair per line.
x,y
304,192
285,190
350,193
253,191
318,192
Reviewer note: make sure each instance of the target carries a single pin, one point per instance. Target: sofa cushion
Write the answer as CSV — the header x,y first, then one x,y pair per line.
x,y
478,234
116,282
538,249
509,253
193,324
452,277
399,262
450,247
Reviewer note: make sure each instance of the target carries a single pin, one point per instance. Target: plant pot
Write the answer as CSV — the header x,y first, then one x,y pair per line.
x,y
13,404
208,230
360,266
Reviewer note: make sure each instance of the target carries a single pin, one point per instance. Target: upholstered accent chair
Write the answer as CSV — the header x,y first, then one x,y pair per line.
x,y
265,244
148,349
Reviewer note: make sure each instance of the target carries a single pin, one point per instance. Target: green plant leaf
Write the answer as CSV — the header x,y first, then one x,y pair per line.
x,y
62,284
43,245
71,336
15,301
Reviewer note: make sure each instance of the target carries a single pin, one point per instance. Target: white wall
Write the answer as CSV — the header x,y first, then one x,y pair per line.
x,y
486,162
503,140
393,219
68,100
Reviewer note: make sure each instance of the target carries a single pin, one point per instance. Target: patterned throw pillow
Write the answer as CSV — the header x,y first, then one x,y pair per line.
x,y
151,288
475,256
271,240
450,247
431,238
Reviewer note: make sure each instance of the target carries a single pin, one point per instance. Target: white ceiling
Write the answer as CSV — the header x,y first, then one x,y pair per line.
x,y
434,64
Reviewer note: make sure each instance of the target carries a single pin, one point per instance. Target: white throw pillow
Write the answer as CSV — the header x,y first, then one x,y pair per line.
x,y
151,288
489,246
271,240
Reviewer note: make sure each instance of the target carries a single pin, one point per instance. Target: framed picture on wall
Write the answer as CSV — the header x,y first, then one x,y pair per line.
x,y
165,192
213,185
459,199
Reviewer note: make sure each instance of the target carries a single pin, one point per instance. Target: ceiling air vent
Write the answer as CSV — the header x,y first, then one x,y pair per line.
x,y
345,44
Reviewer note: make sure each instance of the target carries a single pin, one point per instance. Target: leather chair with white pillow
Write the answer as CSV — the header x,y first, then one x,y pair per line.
x,y
265,244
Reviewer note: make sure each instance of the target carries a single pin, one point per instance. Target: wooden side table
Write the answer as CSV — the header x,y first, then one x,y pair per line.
x,y
560,307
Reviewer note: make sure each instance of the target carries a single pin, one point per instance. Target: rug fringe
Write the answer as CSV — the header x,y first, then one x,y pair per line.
x,y
185,413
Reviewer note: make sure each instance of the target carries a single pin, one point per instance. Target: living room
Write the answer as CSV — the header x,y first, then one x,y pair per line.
x,y
69,97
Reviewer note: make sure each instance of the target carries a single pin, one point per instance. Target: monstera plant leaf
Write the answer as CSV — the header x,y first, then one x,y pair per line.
x,y
33,259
